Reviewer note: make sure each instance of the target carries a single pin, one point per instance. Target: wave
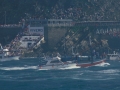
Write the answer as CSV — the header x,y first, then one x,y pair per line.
x,y
18,68
66,68
90,79
72,67
103,64
43,69
110,71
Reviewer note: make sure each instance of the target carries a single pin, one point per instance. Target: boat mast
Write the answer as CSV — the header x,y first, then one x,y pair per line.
x,y
64,47
64,44
90,43
72,50
1,48
90,40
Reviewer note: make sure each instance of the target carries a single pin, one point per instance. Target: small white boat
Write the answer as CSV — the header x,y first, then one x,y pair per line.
x,y
9,58
56,63
5,55
114,56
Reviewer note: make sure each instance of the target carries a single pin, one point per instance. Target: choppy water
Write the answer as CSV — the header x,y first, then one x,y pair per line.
x,y
24,75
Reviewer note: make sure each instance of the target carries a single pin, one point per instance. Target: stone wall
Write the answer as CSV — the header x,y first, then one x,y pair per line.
x,y
55,34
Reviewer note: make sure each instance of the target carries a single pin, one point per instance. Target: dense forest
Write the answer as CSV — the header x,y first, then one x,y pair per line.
x,y
85,10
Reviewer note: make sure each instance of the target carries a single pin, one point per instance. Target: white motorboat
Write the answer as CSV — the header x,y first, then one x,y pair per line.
x,y
114,56
56,63
9,58
5,55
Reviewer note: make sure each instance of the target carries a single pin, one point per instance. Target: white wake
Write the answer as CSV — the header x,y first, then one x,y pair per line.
x,y
71,67
18,68
103,64
65,68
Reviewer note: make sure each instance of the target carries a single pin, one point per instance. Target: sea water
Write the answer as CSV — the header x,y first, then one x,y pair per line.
x,y
25,75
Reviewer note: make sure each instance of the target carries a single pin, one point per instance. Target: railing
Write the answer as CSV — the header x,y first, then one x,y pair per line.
x,y
67,23
59,25
98,23
11,26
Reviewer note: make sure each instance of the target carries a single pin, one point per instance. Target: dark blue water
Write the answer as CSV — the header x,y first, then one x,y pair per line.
x,y
24,75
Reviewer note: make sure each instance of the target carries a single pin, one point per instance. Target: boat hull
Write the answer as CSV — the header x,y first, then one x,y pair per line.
x,y
10,58
91,63
61,66
114,58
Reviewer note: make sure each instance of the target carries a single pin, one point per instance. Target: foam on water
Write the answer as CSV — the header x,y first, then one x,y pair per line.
x,y
72,67
18,68
43,69
65,68
103,64
81,77
110,71
25,75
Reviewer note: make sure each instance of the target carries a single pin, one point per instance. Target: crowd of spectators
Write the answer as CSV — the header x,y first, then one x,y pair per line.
x,y
86,10
13,46
77,10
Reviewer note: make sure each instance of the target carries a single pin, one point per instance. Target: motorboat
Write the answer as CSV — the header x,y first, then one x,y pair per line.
x,y
3,58
85,61
6,56
88,61
56,63
81,62
114,56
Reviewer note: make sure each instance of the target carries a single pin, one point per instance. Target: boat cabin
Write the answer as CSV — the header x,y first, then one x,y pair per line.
x,y
113,57
54,61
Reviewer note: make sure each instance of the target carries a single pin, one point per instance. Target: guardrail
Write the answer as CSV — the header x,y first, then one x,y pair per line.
x,y
10,26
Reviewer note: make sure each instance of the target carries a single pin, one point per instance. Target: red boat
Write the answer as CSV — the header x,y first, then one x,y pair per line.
x,y
88,64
